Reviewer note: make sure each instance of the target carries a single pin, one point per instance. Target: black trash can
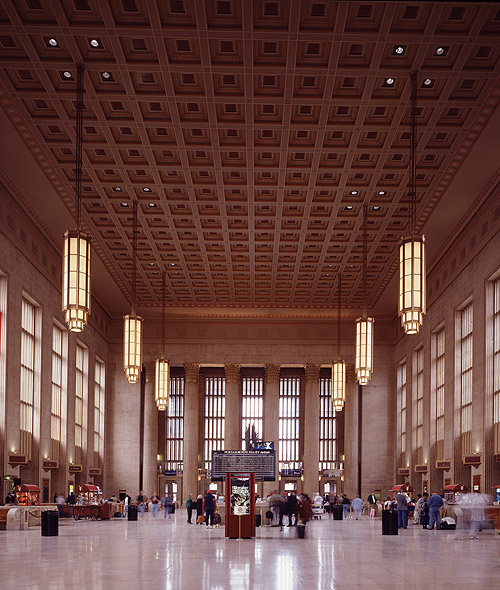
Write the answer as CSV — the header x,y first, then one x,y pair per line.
x,y
301,529
258,520
389,522
173,507
132,512
50,523
337,512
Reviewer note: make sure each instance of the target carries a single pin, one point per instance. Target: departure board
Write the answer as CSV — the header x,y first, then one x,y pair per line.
x,y
260,462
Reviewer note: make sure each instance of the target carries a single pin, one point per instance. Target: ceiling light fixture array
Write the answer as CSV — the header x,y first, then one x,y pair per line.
x,y
162,368
364,324
132,323
338,366
77,247
412,249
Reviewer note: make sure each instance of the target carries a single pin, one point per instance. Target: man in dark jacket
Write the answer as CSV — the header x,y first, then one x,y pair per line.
x,y
434,502
209,509
291,508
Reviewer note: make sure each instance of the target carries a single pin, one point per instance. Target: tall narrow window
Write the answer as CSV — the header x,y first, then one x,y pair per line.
x,y
99,396
496,364
252,411
27,388
56,406
402,412
80,394
289,403
327,427
215,411
419,382
439,381
466,325
175,424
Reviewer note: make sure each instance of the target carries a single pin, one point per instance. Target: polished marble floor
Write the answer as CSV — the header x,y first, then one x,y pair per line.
x,y
173,555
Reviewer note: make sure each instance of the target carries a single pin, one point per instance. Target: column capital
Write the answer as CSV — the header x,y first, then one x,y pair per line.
x,y
312,373
150,371
191,372
232,373
272,373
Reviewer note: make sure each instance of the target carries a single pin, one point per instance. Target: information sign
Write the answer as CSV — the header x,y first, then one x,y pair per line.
x,y
260,462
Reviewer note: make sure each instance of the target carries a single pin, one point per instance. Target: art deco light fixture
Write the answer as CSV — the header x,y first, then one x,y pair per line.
x,y
412,248
76,259
162,369
364,324
338,366
132,323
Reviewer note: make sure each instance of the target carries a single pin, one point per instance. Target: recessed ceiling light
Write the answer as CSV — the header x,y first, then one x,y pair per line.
x,y
117,189
151,263
94,43
146,189
353,193
53,42
399,50
440,51
172,264
156,272
389,81
106,76
123,204
381,193
427,82
328,275
151,205
349,208
351,266
68,75
376,208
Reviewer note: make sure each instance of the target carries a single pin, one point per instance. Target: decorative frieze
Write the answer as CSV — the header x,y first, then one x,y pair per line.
x,y
232,373
191,372
272,373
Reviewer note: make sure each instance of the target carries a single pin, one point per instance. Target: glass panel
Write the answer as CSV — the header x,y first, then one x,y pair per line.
x,y
289,403
174,427
252,407
214,417
327,427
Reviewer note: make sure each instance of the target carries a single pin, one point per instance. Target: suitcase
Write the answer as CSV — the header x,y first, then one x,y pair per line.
x,y
258,520
444,526
389,522
337,512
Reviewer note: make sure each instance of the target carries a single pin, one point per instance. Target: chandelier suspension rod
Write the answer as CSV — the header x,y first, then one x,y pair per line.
x,y
412,181
134,256
163,278
365,257
79,131
339,311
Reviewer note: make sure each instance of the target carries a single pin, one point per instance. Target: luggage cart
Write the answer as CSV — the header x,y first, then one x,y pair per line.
x,y
317,511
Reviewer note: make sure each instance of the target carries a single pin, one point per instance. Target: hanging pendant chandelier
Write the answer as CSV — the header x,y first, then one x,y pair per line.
x,y
412,303
338,366
132,323
77,250
364,325
162,367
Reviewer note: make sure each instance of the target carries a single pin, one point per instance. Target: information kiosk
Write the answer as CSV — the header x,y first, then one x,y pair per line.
x,y
240,505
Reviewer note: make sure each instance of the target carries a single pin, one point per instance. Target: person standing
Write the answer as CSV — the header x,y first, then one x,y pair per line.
x,y
402,508
434,503
155,503
357,506
423,510
372,503
60,501
277,506
126,504
71,500
209,509
291,508
332,501
189,507
199,507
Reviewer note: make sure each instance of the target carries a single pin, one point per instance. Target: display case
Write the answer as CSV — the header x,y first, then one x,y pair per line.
x,y
88,500
453,492
27,495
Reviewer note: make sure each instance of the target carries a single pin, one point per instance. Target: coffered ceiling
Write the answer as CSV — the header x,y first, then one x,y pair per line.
x,y
252,133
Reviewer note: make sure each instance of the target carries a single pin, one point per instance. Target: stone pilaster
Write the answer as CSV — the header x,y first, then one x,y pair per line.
x,y
232,437
271,417
191,439
150,478
311,429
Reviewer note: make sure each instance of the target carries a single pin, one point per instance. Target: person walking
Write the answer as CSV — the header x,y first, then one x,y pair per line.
x,y
142,501
372,503
402,508
189,508
277,505
126,504
357,506
209,509
434,503
346,505
291,508
155,504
